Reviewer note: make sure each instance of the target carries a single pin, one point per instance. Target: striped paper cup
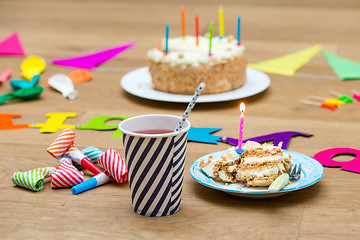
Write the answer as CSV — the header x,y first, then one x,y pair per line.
x,y
155,163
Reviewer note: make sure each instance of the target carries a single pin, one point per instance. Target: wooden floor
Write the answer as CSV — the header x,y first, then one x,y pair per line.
x,y
59,29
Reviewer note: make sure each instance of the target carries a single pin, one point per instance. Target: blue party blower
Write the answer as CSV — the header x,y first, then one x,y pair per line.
x,y
93,182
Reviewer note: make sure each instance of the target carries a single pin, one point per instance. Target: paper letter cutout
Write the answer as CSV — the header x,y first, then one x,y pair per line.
x,y
325,158
276,137
203,135
288,64
344,68
90,61
6,121
12,46
54,122
98,123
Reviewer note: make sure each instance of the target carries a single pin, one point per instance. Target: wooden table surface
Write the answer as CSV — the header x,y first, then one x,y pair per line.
x,y
59,29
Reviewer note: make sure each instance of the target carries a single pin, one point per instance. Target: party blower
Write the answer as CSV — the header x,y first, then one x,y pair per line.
x,y
115,168
64,145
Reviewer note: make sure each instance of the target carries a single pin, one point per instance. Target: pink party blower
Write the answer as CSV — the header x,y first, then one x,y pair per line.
x,y
115,168
64,145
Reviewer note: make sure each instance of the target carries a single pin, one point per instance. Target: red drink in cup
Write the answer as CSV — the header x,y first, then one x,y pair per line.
x,y
155,156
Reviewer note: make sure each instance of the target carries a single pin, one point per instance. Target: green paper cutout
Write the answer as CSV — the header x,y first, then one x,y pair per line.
x,y
344,68
98,123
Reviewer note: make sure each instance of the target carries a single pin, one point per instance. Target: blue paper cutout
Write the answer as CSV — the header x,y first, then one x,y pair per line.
x,y
203,135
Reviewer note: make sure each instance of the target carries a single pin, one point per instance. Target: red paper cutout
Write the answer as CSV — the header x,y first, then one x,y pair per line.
x,y
325,158
6,121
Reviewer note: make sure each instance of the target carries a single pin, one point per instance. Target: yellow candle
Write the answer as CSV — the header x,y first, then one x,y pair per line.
x,y
221,22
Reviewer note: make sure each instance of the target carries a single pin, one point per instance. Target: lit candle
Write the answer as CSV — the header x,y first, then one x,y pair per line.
x,y
238,30
167,38
197,29
221,22
241,130
183,22
211,27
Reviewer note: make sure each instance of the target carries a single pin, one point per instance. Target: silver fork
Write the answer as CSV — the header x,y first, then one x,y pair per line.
x,y
295,171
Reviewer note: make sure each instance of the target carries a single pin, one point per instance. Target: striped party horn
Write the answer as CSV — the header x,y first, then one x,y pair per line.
x,y
91,153
33,179
66,175
64,145
115,168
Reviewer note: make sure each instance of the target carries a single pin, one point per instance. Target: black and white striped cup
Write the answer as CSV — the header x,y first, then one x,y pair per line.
x,y
155,163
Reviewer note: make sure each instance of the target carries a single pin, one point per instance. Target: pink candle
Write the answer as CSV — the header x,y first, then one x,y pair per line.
x,y
241,130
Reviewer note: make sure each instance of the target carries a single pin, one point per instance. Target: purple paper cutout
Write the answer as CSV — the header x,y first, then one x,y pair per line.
x,y
276,137
12,46
325,159
90,61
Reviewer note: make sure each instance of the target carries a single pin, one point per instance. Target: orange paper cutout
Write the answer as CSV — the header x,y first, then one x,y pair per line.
x,y
6,121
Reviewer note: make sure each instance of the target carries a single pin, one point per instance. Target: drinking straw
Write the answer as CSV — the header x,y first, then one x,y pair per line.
x,y
190,105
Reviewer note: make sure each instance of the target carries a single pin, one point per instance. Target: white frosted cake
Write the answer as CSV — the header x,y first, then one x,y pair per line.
x,y
187,65
259,165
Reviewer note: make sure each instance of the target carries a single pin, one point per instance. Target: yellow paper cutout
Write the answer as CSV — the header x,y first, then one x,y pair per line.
x,y
288,64
55,122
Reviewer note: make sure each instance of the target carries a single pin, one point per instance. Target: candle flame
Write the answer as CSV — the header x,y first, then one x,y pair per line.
x,y
242,107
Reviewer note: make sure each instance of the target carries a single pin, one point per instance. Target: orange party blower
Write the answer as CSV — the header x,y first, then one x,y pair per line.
x,y
64,145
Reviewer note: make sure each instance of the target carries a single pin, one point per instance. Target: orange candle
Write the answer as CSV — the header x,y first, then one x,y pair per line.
x,y
183,22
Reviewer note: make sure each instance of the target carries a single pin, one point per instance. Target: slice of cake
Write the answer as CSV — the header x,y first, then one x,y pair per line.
x,y
187,65
258,166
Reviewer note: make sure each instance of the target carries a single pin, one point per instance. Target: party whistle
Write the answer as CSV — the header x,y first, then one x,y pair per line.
x,y
115,169
64,145
279,183
66,175
344,98
327,100
322,104
91,153
26,94
33,179
356,94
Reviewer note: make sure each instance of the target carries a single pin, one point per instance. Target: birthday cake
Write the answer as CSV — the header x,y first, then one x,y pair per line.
x,y
186,65
258,166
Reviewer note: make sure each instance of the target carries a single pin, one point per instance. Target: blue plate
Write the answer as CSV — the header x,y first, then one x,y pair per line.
x,y
311,172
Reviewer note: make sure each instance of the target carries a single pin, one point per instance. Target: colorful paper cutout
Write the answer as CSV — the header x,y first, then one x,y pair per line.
x,y
344,68
203,135
21,84
6,121
12,46
56,121
31,66
98,123
278,137
325,158
288,64
90,61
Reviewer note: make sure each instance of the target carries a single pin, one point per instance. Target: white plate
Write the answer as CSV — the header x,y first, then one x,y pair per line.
x,y
138,83
311,172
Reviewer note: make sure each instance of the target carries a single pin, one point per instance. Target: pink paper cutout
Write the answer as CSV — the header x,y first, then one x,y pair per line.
x,y
325,159
12,46
90,61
